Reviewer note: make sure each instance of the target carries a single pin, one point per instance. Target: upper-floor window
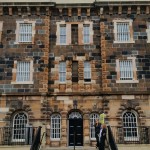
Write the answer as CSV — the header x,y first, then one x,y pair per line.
x,y
74,33
62,71
86,33
62,34
130,126
25,31
20,121
123,32
148,32
1,28
126,70
74,71
55,127
23,72
87,71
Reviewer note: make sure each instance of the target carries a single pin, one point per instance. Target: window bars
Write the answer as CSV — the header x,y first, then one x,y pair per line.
x,y
123,32
55,126
126,69
25,32
130,126
23,71
93,117
19,125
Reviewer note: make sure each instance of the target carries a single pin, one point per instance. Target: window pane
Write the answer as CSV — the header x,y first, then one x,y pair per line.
x,y
19,124
23,71
25,32
126,69
63,34
93,117
86,34
130,126
62,72
87,70
55,126
123,31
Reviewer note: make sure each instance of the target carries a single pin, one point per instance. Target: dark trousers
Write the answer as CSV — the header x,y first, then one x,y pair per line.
x,y
97,140
102,145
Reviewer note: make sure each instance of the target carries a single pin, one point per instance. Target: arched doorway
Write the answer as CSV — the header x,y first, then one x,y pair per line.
x,y
75,129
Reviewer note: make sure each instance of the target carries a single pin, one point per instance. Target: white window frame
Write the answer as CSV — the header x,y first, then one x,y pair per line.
x,y
86,33
23,72
20,120
148,32
62,72
130,126
19,31
93,118
55,128
1,28
121,71
87,71
126,31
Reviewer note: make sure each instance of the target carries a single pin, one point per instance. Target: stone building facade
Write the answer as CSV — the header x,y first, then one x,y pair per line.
x,y
62,64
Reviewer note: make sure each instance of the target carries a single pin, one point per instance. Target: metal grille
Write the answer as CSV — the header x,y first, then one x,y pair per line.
x,y
55,126
63,34
86,34
126,69
19,124
23,71
130,126
87,70
62,72
93,117
123,31
25,32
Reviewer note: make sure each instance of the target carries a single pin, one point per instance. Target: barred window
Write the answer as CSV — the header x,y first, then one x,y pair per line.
x,y
62,71
126,69
55,126
87,71
62,34
123,31
25,32
93,117
23,71
19,126
86,34
130,126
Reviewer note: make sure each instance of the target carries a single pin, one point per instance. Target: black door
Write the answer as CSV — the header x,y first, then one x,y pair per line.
x,y
76,132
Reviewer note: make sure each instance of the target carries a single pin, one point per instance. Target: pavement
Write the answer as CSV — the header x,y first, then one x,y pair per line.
x,y
71,148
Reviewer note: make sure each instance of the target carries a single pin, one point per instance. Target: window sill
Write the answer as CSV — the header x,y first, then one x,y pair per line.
x,y
55,140
123,42
28,82
127,81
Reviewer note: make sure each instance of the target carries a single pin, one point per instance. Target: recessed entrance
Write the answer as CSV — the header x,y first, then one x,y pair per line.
x,y
75,129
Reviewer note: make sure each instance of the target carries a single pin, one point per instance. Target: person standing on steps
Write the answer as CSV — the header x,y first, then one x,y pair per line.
x,y
102,137
97,126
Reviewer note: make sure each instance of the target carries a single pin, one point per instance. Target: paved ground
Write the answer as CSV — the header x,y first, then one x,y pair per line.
x,y
70,148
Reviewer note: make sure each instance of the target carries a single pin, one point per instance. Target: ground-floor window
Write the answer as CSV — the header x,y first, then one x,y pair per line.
x,y
93,117
130,126
55,127
20,121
